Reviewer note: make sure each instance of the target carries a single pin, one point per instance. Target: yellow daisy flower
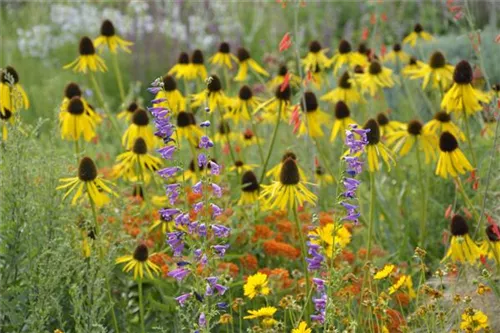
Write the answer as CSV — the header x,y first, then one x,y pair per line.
x,y
442,123
314,116
88,59
6,118
241,167
414,133
182,69
412,66
375,148
163,225
322,178
280,77
213,96
417,34
387,126
397,55
187,128
256,285
474,321
345,56
12,95
384,272
275,171
242,106
198,69
248,138
406,282
223,57
224,133
140,262
316,58
73,90
462,248
437,71
345,91
109,38
87,181
490,247
128,113
245,62
76,121
452,160
174,100
342,120
331,236
302,328
375,78
139,128
279,104
250,188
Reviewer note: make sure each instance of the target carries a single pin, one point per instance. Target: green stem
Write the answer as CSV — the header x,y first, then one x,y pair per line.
x,y
304,262
141,307
113,315
254,129
467,200
469,141
94,214
118,75
423,193
273,140
103,103
371,216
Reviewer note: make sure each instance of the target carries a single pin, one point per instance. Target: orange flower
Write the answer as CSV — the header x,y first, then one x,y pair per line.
x,y
262,232
279,249
279,237
325,218
402,299
270,219
285,226
162,260
249,262
228,267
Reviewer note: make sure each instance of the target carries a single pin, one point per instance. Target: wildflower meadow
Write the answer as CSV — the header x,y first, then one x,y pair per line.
x,y
249,166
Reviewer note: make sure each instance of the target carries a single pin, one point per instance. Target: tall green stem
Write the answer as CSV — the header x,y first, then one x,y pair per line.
x,y
141,307
371,219
118,75
254,129
469,141
423,193
304,262
273,140
103,103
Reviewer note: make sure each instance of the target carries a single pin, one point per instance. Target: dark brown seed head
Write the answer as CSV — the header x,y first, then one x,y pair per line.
x,y
140,117
224,48
363,49
87,170
197,57
75,106
492,231
310,101
249,182
140,147
344,47
169,83
289,174
463,73
447,142
442,117
283,95
183,119
382,119
242,54
413,61
414,127
141,253
239,163
375,68
358,69
437,60
320,171
224,128
282,70
342,110
288,155
374,135
245,93
132,107
496,87
214,84
7,72
458,226
86,46
314,46
248,135
396,47
107,29
183,58
344,82
72,89
418,28
6,114
192,119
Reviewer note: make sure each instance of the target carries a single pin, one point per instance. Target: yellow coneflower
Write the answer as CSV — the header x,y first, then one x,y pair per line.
x,y
462,98
250,188
451,159
321,178
128,113
266,314
242,106
198,66
187,128
108,37
331,236
495,91
87,181
275,171
314,116
490,247
213,96
140,262
12,94
241,167
245,61
417,34
174,101
375,78
442,123
136,163
223,57
280,78
182,69
139,128
280,103
88,59
412,66
342,120
224,133
397,55
462,248
316,58
76,121
345,56
414,133
375,148
73,90
387,126
163,225
345,91
436,71
6,117
248,138
364,51
289,192
315,78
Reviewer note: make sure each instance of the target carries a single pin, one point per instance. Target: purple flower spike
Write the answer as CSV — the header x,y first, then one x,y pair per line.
x,y
202,160
167,152
197,188
158,100
220,250
221,231
183,298
214,168
216,210
154,90
217,190
179,273
168,172
205,123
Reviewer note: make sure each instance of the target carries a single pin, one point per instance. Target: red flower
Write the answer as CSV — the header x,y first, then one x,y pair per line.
x,y
285,43
286,82
364,34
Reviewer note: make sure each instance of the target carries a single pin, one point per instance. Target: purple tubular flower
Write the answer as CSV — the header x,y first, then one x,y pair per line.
x,y
176,242
217,190
354,165
167,152
220,230
220,288
168,213
352,216
205,142
320,318
216,210
182,298
192,227
202,321
212,280
179,273
202,230
182,219
202,160
220,250
158,100
205,123
168,172
172,191
154,90
155,111
204,260
320,284
197,188
214,168
222,305
197,253
197,207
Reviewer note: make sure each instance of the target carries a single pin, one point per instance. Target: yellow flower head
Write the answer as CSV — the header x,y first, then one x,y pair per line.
x,y
302,328
397,55
321,177
250,188
223,57
346,91
388,126
198,69
280,77
375,78
256,285
342,120
213,96
346,57
88,59
128,112
12,94
246,62
264,312
139,261
385,272
474,321
242,106
109,38
403,281
174,100
462,248
139,128
187,128
315,117
417,34
452,160
376,148
316,58
412,66
437,71
182,69
490,247
331,236
275,171
442,123
77,121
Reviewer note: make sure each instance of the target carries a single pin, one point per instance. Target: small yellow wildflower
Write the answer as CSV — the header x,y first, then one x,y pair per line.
x,y
302,328
474,321
385,272
256,285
